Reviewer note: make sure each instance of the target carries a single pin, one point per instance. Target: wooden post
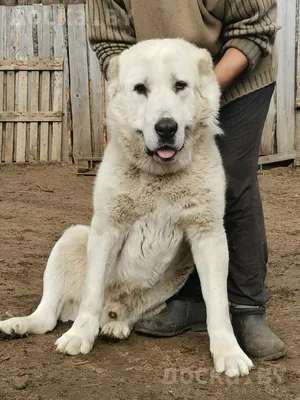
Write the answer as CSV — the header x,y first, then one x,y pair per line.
x,y
268,136
2,55
45,33
60,50
297,128
285,79
96,102
10,84
82,144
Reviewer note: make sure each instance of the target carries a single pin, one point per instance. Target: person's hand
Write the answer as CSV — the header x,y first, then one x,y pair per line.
x,y
230,66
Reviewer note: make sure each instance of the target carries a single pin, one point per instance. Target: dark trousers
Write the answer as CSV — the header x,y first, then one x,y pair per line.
x,y
242,121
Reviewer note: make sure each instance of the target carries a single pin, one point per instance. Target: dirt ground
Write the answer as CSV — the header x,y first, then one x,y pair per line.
x,y
180,368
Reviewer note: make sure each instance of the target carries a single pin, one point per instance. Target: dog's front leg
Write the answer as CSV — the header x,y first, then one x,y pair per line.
x,y
210,254
103,247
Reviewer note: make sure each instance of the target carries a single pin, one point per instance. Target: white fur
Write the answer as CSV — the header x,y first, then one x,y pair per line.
x,y
151,217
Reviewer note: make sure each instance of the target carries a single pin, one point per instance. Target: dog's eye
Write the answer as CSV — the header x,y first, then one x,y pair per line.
x,y
140,88
180,85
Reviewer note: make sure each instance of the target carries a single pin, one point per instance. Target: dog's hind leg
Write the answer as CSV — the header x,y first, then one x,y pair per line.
x,y
124,307
62,287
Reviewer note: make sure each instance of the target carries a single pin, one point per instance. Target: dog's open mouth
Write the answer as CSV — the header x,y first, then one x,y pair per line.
x,y
165,153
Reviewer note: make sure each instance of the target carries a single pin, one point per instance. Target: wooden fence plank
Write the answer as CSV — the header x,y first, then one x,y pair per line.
x,y
44,51
286,86
82,146
2,56
10,82
28,116
23,50
268,136
57,126
44,133
31,65
274,158
59,137
61,50
95,103
34,127
297,134
298,57
21,126
3,32
67,150
10,105
1,108
34,106
297,127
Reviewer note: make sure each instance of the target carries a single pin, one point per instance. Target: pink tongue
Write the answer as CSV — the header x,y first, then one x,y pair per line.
x,y
167,153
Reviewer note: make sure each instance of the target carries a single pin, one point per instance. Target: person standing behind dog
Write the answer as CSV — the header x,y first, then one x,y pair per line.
x,y
240,36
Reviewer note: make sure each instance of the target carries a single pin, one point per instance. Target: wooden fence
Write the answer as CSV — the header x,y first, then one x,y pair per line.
x,y
48,113
281,135
34,83
52,112
19,129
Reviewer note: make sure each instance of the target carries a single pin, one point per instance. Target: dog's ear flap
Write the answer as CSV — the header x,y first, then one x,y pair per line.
x,y
112,69
205,62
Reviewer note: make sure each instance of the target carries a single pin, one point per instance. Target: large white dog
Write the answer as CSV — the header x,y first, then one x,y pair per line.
x,y
158,205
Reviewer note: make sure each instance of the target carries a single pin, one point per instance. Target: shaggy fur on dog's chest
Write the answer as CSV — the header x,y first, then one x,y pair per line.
x,y
196,192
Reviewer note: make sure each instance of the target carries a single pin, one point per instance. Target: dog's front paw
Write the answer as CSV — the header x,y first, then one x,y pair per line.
x,y
235,364
14,328
116,330
73,343
78,339
228,356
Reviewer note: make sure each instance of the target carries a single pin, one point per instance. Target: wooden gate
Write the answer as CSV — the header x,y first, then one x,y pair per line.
x,y
34,84
31,120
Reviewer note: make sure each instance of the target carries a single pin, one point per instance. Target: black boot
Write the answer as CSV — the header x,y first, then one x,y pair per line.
x,y
178,316
254,335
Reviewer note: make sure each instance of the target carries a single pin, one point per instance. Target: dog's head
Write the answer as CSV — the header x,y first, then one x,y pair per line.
x,y
163,94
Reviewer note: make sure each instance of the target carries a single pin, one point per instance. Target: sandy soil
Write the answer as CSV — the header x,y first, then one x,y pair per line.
x,y
180,368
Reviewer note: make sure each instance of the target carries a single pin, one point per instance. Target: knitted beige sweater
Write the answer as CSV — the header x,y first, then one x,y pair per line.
x,y
247,25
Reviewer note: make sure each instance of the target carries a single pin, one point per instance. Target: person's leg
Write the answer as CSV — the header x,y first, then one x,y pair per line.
x,y
243,121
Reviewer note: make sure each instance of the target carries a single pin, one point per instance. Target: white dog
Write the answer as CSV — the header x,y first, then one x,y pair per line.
x,y
158,205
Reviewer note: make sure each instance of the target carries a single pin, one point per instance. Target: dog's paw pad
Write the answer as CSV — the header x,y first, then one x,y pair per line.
x,y
72,344
13,328
233,366
115,330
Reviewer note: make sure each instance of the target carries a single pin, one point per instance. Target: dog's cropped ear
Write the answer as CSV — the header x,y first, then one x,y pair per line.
x,y
205,62
112,69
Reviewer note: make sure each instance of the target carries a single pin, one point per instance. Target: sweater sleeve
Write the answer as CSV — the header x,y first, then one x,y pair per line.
x,y
250,27
110,30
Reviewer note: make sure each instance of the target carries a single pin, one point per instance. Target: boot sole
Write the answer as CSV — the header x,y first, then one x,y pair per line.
x,y
271,357
195,328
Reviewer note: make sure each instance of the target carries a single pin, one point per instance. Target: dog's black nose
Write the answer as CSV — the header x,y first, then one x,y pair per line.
x,y
166,128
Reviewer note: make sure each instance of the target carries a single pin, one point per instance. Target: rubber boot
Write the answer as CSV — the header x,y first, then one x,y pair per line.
x,y
254,335
178,316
